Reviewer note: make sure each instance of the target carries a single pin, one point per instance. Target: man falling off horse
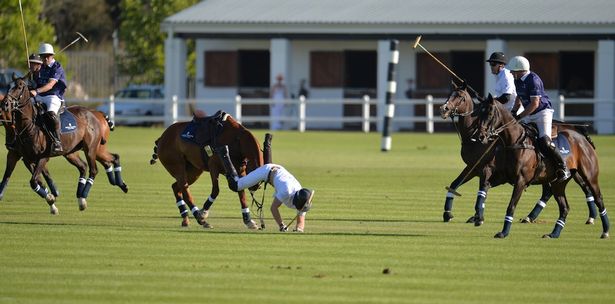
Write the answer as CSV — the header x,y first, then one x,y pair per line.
x,y
288,190
50,87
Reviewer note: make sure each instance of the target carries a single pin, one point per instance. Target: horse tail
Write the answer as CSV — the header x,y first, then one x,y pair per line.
x,y
155,155
583,130
110,123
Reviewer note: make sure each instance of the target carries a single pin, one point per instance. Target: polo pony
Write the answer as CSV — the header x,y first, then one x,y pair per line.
x,y
523,165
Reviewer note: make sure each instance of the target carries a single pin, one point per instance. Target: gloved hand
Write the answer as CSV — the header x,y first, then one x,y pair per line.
x,y
300,230
283,228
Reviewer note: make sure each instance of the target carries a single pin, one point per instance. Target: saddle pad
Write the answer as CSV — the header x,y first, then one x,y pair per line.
x,y
203,131
563,145
68,122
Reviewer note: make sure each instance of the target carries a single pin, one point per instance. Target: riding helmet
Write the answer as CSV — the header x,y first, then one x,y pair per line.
x,y
497,57
303,199
35,58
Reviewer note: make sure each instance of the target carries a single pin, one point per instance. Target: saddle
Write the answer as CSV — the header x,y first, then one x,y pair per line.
x,y
204,131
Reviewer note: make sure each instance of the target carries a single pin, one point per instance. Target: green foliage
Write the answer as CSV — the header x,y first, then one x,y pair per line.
x,y
372,211
12,39
142,38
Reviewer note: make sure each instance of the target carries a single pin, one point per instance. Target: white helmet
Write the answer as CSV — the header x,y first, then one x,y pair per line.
x,y
519,63
45,48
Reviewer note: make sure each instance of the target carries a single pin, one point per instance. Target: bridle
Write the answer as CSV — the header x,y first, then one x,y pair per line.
x,y
493,132
455,111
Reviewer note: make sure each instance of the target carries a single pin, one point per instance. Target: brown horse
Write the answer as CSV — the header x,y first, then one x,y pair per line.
x,y
461,105
88,136
523,164
186,161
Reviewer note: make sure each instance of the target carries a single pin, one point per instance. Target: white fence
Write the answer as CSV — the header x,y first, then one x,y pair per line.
x,y
299,118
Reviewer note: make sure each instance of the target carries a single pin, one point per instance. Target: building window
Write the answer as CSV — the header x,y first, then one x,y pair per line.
x,y
326,69
221,68
546,65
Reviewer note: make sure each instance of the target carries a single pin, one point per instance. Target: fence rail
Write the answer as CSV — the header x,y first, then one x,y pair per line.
x,y
300,117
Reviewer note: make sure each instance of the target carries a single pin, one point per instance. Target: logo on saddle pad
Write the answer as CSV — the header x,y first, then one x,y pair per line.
x,y
68,122
562,145
187,135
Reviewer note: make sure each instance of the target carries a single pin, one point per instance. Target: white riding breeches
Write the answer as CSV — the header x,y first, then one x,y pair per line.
x,y
53,102
543,120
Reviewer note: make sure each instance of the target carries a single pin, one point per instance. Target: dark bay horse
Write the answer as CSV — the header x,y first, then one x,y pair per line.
x,y
185,162
89,135
523,164
461,105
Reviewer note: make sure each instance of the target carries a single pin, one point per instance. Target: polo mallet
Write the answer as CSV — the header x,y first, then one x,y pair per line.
x,y
25,37
418,43
74,41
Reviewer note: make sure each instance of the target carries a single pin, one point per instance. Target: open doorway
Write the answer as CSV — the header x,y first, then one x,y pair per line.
x,y
253,81
360,78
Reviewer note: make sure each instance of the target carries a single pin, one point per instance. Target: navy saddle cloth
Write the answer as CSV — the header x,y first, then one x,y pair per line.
x,y
563,145
203,131
68,122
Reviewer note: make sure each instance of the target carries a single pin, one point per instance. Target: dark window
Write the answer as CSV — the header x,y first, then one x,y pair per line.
x,y
469,66
254,68
577,74
546,65
431,77
326,69
360,79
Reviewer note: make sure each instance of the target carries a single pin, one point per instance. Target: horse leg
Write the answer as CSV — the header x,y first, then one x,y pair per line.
x,y
592,183
117,170
589,198
540,204
113,168
93,171
187,197
560,197
181,204
215,190
42,191
11,160
81,166
510,211
447,216
50,183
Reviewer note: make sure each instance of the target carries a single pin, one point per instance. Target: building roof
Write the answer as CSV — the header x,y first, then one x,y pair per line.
x,y
395,16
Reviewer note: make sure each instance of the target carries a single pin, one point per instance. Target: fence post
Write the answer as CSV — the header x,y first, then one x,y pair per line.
x,y
366,113
429,114
301,113
112,107
390,94
174,109
561,107
238,108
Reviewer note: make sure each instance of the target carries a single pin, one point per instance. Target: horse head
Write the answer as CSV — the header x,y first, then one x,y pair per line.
x,y
16,98
493,119
459,103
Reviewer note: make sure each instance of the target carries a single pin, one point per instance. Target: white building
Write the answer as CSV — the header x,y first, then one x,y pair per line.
x,y
341,47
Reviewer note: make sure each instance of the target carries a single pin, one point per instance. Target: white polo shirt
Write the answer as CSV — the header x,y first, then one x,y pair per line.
x,y
505,84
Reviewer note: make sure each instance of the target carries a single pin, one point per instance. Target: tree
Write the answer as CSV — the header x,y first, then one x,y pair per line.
x,y
12,39
89,17
142,39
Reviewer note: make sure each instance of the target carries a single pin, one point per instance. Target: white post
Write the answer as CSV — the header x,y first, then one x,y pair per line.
x,y
429,114
302,113
174,109
238,108
366,113
112,107
561,107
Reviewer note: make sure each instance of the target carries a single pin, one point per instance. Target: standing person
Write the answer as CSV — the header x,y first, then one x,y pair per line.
x,y
303,91
278,93
410,91
50,87
288,190
504,89
531,94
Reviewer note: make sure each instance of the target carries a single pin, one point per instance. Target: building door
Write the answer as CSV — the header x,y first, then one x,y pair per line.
x,y
253,81
470,66
360,78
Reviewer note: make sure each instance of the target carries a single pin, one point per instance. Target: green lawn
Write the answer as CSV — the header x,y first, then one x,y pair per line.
x,y
372,211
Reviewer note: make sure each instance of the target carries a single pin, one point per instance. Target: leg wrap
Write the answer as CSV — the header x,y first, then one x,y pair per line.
x,y
448,204
208,203
537,209
245,214
507,224
80,186
605,221
110,175
118,175
559,225
479,206
181,205
87,187
52,186
591,206
42,192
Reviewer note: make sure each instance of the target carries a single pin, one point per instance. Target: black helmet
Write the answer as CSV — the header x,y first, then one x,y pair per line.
x,y
303,199
497,57
35,58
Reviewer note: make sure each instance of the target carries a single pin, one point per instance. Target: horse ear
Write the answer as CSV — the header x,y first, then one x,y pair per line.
x,y
490,98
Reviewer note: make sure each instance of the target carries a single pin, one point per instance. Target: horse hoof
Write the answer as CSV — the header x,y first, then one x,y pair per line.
x,y
472,219
124,188
83,204
499,235
206,225
185,222
53,209
205,214
605,235
550,236
590,221
251,225
447,216
50,199
479,222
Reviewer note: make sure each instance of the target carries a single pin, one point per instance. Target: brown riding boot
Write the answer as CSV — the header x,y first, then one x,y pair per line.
x,y
53,124
549,149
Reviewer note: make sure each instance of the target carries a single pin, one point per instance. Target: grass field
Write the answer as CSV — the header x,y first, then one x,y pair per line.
x,y
372,211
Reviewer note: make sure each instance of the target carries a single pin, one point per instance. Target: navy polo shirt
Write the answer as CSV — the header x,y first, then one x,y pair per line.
x,y
531,85
55,71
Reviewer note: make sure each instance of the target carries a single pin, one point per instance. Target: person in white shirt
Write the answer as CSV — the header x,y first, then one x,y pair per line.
x,y
288,190
504,81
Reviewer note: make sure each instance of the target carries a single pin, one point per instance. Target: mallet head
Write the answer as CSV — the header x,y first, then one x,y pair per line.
x,y
418,40
82,37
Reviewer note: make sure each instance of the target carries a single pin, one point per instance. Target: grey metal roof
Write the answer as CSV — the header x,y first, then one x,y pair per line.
x,y
465,12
